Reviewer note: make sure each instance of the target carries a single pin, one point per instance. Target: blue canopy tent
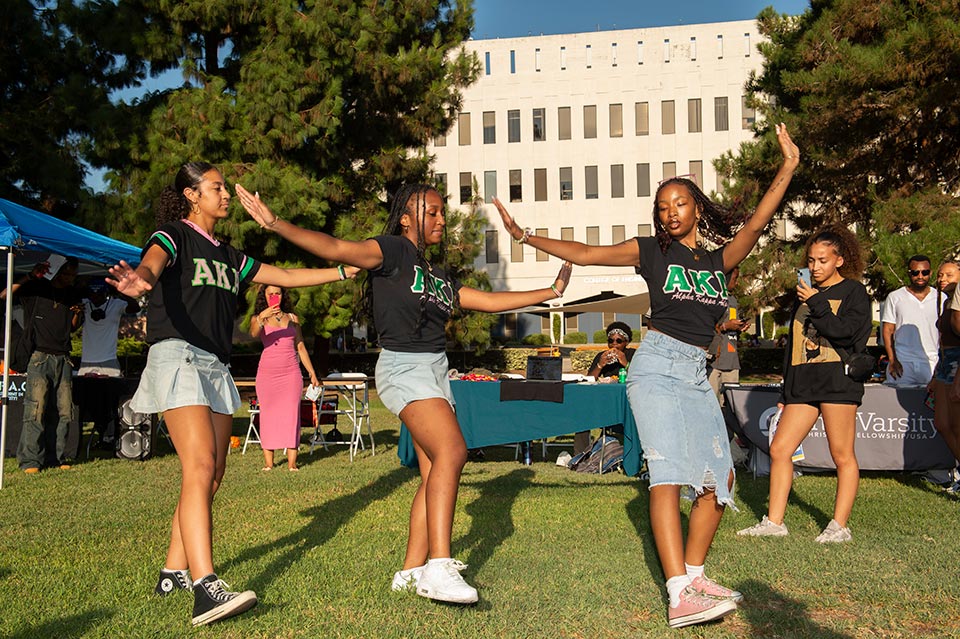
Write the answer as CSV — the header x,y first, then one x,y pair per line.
x,y
23,230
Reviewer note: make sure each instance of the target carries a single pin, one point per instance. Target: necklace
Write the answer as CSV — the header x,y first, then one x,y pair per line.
x,y
693,251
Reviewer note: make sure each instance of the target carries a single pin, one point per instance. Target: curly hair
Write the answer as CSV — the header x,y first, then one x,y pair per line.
x,y
845,243
260,303
716,221
173,204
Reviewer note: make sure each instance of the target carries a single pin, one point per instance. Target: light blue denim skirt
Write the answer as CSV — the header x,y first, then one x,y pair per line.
x,y
947,363
681,429
179,374
407,377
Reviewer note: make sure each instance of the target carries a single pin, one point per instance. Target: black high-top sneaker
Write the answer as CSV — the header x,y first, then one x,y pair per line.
x,y
213,602
173,580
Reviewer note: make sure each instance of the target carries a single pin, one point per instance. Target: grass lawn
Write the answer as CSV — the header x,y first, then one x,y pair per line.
x,y
552,552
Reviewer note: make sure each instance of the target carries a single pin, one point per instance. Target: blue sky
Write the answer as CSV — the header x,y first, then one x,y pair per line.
x,y
513,18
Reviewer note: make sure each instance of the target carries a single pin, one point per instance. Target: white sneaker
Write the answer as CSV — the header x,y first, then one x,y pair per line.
x,y
441,580
765,528
834,533
406,579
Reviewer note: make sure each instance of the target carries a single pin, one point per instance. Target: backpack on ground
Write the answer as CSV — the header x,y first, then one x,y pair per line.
x,y
608,448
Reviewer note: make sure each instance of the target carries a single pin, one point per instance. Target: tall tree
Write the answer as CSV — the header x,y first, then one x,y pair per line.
x,y
868,91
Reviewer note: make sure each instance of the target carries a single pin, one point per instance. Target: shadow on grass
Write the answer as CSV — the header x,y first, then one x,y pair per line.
x,y
769,613
491,516
66,628
754,492
638,512
325,520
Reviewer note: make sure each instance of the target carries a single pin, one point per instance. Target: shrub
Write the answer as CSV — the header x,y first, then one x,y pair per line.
x,y
536,339
580,360
515,359
576,337
600,337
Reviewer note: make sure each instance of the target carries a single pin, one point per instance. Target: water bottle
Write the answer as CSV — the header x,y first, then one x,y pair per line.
x,y
622,376
525,449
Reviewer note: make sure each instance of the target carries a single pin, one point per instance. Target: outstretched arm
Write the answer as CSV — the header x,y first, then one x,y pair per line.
x,y
296,277
740,246
493,302
624,254
134,282
365,254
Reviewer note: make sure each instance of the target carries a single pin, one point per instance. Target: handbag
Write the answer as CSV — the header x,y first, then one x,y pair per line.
x,y
859,366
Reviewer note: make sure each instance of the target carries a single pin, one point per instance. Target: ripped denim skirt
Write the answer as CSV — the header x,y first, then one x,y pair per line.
x,y
681,429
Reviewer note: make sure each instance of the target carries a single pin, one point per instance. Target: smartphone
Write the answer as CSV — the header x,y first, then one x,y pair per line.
x,y
273,300
803,275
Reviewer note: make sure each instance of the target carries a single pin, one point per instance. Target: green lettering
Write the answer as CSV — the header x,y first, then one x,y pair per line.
x,y
676,280
418,282
701,281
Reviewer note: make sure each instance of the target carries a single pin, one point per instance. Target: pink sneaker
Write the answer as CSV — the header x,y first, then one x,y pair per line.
x,y
696,607
711,588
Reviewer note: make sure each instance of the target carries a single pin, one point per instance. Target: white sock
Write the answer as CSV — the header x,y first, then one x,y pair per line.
x,y
409,571
437,560
693,571
675,586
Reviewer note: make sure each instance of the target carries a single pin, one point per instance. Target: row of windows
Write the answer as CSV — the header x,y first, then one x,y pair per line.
x,y
641,118
670,50
565,184
618,233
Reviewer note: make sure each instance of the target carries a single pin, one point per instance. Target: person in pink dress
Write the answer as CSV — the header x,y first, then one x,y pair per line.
x,y
279,382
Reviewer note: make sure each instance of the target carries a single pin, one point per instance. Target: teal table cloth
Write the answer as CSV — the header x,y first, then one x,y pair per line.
x,y
486,421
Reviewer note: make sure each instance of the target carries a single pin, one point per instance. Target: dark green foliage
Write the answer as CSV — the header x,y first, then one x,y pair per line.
x,y
537,339
575,337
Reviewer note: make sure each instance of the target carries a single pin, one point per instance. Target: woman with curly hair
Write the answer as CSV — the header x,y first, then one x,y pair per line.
x,y
679,422
830,321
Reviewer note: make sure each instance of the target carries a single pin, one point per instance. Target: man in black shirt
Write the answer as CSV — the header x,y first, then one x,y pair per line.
x,y
51,311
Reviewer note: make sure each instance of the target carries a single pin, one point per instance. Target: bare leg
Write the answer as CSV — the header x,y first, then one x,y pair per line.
x,y
795,422
438,441
417,540
667,532
946,417
839,420
292,458
267,458
705,518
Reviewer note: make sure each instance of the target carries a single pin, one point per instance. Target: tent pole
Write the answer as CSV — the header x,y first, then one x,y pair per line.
x,y
6,361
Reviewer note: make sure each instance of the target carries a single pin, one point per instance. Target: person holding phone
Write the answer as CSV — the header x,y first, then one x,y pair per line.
x,y
279,382
833,313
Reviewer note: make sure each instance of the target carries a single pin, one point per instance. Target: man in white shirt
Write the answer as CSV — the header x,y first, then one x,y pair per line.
x,y
909,327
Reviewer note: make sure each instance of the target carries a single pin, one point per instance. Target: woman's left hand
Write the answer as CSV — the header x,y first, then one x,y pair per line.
x,y
805,292
314,381
563,277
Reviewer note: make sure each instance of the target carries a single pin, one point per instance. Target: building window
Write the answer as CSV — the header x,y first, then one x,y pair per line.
x,y
540,185
566,233
466,188
489,186
563,58
563,123
486,63
749,113
516,252
618,234
539,125
440,182
616,180
721,114
696,172
644,230
642,114
440,140
513,125
693,48
536,60
463,129
613,54
541,256
516,186
667,117
489,127
513,61
589,122
669,171
643,180
571,324
746,45
589,56
666,49
593,235
616,120
639,51
566,183
590,187
493,250
720,47
694,124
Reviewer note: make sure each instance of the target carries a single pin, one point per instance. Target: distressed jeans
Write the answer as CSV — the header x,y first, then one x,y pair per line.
x,y
45,373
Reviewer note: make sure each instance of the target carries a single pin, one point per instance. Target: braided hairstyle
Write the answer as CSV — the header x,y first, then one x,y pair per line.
x,y
716,221
845,243
173,204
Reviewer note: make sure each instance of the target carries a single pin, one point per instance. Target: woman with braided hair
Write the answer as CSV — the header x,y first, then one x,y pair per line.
x,y
412,300
681,429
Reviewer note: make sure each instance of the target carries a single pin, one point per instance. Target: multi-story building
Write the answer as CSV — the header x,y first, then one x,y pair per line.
x,y
574,132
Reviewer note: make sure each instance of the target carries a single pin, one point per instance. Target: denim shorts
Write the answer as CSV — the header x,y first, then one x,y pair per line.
x,y
407,377
946,368
681,429
179,374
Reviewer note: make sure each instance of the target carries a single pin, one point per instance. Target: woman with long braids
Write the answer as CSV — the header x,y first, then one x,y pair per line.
x,y
412,300
681,429
195,281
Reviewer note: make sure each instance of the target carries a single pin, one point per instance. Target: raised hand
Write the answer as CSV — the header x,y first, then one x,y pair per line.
x,y
563,277
259,211
127,281
508,222
789,148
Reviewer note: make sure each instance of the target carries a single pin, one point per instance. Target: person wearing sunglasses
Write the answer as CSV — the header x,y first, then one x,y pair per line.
x,y
908,325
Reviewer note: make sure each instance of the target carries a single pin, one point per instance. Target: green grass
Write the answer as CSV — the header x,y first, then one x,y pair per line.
x,y
553,553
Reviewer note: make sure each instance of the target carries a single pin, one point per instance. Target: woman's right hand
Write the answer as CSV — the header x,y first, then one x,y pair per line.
x,y
256,208
509,223
127,281
268,313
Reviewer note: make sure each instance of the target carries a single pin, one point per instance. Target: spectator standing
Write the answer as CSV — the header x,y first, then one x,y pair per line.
x,y
946,383
909,327
51,312
725,367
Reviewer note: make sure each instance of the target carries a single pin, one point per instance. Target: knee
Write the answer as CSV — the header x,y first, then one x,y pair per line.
x,y
781,452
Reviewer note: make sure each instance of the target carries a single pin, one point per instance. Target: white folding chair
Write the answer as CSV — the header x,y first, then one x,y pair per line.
x,y
253,435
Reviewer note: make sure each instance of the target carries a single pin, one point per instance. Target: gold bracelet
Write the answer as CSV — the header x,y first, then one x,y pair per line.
x,y
276,218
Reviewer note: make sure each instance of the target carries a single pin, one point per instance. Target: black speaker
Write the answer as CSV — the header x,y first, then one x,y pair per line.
x,y
135,440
